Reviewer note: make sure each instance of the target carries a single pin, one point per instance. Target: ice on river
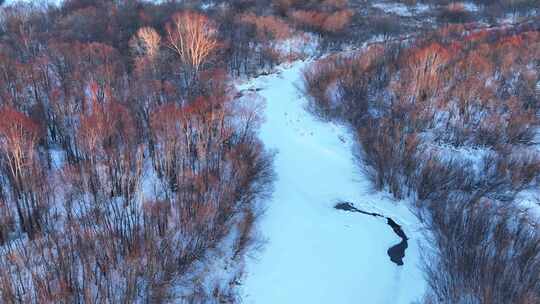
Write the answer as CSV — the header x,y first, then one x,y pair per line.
x,y
315,253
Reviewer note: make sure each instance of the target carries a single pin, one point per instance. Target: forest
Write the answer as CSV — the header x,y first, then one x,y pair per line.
x,y
132,169
125,157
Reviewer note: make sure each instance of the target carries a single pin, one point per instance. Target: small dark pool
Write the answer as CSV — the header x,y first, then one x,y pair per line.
x,y
396,252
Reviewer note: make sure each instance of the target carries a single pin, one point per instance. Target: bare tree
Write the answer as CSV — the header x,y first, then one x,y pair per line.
x,y
193,37
19,136
145,42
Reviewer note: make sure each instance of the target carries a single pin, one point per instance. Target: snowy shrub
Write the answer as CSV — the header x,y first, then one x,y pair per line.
x,y
455,12
484,252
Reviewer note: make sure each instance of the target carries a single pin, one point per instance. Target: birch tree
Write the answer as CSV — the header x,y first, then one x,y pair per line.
x,y
193,38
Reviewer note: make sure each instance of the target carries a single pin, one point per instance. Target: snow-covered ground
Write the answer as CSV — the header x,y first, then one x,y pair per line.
x,y
55,2
314,253
401,9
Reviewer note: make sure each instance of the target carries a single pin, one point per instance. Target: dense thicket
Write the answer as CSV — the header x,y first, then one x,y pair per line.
x,y
125,158
450,121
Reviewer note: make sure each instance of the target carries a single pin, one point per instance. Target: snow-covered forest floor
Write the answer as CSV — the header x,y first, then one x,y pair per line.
x,y
314,253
